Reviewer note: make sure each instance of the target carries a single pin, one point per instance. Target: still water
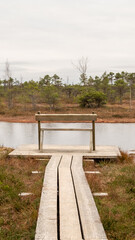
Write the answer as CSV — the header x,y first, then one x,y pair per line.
x,y
119,134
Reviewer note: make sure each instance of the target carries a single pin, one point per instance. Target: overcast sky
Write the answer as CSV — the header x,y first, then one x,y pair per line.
x,y
40,37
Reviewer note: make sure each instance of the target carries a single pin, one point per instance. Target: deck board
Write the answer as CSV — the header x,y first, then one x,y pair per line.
x,y
91,223
53,150
47,216
69,221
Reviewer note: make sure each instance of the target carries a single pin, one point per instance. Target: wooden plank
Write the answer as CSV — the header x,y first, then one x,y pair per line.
x,y
93,135
47,216
39,126
93,172
100,194
66,117
24,194
41,139
91,141
91,223
66,129
36,172
69,220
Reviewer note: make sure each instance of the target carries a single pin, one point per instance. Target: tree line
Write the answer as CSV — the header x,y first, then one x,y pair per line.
x,y
90,92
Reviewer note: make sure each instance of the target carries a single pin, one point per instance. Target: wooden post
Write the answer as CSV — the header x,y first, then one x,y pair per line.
x,y
91,141
39,134
93,133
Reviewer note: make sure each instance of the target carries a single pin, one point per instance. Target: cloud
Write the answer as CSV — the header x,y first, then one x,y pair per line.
x,y
45,35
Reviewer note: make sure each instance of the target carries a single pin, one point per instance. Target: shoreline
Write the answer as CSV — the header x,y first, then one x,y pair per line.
x,y
31,119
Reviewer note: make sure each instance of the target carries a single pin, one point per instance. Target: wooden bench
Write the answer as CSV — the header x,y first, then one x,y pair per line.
x,y
65,118
67,209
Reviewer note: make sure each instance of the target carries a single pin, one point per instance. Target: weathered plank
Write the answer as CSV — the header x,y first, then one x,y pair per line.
x,y
66,129
69,220
100,194
90,220
65,117
24,194
92,172
36,172
47,217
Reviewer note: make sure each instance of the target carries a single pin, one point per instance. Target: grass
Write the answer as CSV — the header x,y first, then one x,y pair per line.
x,y
108,113
117,211
18,215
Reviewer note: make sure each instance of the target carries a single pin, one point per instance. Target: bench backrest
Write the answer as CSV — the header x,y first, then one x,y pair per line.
x,y
66,117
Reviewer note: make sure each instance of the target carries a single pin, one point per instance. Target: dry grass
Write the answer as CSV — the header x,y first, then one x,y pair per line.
x,y
18,215
125,158
117,211
108,113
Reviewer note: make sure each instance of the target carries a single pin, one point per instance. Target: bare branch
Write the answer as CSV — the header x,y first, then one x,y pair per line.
x,y
82,68
82,65
7,70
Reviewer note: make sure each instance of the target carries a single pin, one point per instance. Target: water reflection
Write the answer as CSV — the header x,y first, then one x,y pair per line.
x,y
119,134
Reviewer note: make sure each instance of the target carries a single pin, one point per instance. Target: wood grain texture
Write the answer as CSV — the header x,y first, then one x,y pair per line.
x,y
66,129
47,217
91,223
66,117
69,220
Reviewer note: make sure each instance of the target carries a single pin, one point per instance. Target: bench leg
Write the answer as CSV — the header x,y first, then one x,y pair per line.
x,y
91,141
41,140
39,137
93,134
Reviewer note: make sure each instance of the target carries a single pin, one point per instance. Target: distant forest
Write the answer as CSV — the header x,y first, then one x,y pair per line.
x,y
51,91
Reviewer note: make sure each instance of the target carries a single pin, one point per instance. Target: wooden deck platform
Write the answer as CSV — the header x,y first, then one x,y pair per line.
x,y
103,152
67,209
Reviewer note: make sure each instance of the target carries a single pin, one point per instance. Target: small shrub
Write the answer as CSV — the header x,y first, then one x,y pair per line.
x,y
92,98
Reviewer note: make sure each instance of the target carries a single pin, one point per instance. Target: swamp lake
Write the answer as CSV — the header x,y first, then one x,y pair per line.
x,y
118,134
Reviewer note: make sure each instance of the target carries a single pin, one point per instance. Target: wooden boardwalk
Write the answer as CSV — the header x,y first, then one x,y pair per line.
x,y
67,209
